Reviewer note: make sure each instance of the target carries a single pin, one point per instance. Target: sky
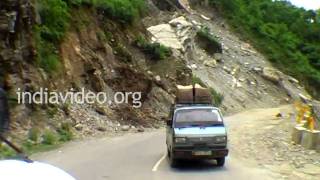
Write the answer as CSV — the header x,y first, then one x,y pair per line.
x,y
307,4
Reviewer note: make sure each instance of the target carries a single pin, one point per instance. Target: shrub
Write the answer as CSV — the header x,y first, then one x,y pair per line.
x,y
217,98
54,23
125,11
49,138
6,152
47,58
123,53
54,19
155,50
34,134
208,41
197,80
65,132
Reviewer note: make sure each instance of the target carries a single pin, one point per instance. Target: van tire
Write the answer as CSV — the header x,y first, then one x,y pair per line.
x,y
172,160
220,161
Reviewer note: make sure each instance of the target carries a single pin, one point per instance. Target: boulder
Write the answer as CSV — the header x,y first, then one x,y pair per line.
x,y
158,78
293,80
165,35
101,110
218,57
125,128
228,70
193,66
102,128
257,69
271,74
180,21
205,17
210,63
78,127
140,129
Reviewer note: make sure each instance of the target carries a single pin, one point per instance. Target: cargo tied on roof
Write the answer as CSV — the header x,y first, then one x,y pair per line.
x,y
193,94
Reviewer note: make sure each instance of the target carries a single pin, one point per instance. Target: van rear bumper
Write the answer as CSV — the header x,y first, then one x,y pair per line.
x,y
200,154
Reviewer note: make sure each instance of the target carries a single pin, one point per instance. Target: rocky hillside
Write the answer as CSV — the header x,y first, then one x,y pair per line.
x,y
96,52
150,51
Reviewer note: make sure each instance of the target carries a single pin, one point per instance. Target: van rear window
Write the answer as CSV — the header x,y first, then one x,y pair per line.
x,y
197,117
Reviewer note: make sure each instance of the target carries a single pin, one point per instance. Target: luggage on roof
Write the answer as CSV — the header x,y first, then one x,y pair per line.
x,y
193,94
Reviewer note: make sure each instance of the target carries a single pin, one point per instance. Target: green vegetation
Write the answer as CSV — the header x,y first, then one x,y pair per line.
x,y
155,50
65,132
197,80
209,41
123,53
49,138
55,19
289,36
124,11
38,141
6,152
54,23
217,98
34,134
78,3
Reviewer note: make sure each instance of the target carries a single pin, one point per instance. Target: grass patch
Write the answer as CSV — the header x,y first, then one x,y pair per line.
x,y
123,11
197,80
217,98
122,53
155,50
65,132
208,41
49,138
6,152
34,134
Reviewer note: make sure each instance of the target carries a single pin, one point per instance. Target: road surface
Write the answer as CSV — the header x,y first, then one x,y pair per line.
x,y
142,156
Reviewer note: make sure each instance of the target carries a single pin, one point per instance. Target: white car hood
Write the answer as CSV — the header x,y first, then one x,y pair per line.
x,y
20,170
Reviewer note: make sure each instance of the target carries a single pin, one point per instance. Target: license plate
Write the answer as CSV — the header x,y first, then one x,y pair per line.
x,y
201,153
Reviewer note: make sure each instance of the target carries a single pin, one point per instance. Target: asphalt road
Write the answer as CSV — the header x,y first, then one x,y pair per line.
x,y
141,156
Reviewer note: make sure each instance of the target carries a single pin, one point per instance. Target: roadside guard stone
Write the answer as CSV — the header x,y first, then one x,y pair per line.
x,y
310,139
297,134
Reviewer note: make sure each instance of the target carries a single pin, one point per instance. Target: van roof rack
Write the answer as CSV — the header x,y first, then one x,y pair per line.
x,y
191,104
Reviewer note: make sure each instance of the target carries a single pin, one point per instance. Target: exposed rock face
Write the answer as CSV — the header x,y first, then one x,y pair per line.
x,y
90,60
16,22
